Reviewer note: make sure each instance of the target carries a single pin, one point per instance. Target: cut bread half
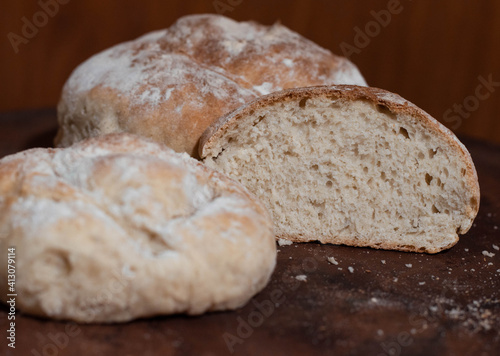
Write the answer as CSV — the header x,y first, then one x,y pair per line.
x,y
349,165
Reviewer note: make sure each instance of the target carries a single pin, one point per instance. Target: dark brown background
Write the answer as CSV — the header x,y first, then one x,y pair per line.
x,y
432,53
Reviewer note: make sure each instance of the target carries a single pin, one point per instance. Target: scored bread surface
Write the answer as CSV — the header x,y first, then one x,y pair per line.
x,y
117,227
349,165
170,85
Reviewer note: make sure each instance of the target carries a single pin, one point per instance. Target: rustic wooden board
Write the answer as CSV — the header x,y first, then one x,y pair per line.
x,y
371,303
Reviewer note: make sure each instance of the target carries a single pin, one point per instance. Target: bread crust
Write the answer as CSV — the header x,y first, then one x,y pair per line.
x,y
387,101
118,227
170,85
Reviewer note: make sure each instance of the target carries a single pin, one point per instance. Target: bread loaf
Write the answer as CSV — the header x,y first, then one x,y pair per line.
x,y
170,85
349,165
116,228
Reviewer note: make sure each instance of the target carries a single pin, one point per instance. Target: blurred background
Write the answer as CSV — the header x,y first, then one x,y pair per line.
x,y
442,55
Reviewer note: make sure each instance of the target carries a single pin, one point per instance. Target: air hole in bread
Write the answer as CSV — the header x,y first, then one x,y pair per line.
x,y
259,119
428,178
435,210
383,109
404,132
303,102
214,159
432,152
290,154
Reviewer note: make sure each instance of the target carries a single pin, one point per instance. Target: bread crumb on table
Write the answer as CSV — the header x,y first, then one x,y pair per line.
x,y
301,277
350,269
409,265
284,242
332,260
488,254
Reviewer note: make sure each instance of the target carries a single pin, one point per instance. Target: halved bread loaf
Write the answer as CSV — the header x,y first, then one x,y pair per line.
x,y
349,165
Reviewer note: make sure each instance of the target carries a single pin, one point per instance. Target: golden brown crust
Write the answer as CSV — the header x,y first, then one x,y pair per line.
x,y
387,100
121,208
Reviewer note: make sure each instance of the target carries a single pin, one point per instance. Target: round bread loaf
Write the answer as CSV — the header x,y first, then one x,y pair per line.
x,y
116,228
170,85
349,165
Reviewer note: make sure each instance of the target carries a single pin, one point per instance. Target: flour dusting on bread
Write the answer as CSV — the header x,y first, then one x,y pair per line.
x,y
170,85
190,239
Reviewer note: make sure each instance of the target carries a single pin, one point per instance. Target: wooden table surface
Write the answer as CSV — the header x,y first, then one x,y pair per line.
x,y
372,302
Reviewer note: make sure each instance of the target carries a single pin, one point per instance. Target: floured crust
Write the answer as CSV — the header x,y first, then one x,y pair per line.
x,y
170,85
211,141
117,228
